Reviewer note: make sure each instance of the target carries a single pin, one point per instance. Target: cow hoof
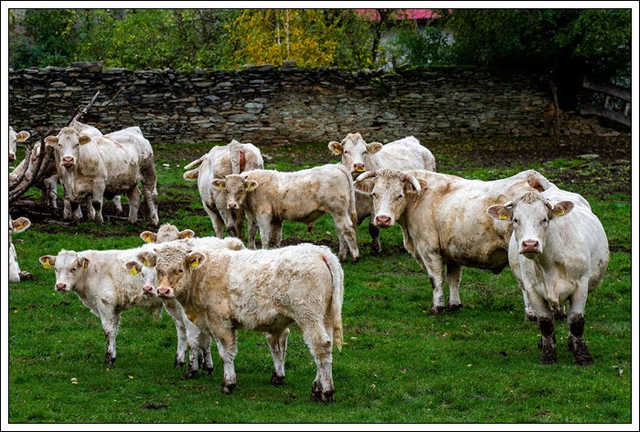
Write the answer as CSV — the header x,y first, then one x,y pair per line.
x,y
208,369
227,388
356,260
190,373
108,360
454,307
24,275
580,351
530,317
548,356
277,380
320,396
436,310
178,363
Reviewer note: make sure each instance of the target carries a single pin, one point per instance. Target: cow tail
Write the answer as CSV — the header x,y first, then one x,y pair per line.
x,y
353,213
195,162
337,295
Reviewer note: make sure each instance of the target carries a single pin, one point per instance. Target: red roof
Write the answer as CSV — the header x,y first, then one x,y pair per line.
x,y
373,15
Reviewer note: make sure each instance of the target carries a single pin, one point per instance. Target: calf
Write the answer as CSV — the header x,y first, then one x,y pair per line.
x,y
558,252
107,283
16,226
234,158
269,197
106,165
443,220
359,156
265,290
167,232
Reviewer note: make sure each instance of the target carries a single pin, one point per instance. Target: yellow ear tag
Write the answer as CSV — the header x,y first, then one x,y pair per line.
x,y
18,227
133,271
559,212
503,216
84,264
146,263
192,175
219,187
147,238
188,235
46,265
194,265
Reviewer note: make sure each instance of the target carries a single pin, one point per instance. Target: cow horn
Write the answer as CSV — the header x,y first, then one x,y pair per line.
x,y
365,175
411,179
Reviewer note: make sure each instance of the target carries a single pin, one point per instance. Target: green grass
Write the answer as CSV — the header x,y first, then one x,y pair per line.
x,y
399,363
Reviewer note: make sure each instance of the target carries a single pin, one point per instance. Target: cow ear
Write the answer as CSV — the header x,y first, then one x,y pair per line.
x,y
185,234
335,147
133,267
148,236
84,139
147,258
562,208
83,262
194,260
19,225
374,147
501,212
191,175
51,140
47,261
251,185
365,186
22,136
219,183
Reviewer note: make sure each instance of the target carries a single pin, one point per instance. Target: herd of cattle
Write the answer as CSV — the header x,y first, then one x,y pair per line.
x,y
556,247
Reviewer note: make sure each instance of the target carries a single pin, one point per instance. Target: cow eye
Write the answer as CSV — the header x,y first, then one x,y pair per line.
x,y
515,221
346,152
544,221
399,196
374,195
73,270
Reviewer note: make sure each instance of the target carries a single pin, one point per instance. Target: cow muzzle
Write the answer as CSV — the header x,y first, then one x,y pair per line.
x,y
68,161
147,290
12,157
61,287
165,292
358,169
529,247
383,221
233,206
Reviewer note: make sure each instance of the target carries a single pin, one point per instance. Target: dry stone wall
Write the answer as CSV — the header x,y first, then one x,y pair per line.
x,y
283,105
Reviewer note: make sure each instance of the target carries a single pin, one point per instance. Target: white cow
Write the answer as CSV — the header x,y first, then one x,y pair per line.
x,y
14,139
106,165
269,197
234,158
558,252
107,283
359,156
443,220
16,226
263,290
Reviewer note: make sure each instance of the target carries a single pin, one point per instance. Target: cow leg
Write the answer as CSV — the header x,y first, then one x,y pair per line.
x,y
575,318
264,223
433,264
545,321
454,274
110,320
118,203
91,212
276,233
278,345
529,311
134,203
216,221
408,242
227,348
252,228
204,342
150,190
50,191
345,230
174,309
66,209
374,232
77,211
98,198
320,344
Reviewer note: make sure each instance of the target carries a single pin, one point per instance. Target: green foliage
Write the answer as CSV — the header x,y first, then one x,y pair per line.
x,y
588,40
413,46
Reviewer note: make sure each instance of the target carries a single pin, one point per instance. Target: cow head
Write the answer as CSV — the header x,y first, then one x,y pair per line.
x,y
67,145
356,153
390,191
14,139
529,216
167,232
15,226
69,266
237,187
173,268
18,225
143,267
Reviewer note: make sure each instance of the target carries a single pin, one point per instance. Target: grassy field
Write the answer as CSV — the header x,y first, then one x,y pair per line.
x,y
399,363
